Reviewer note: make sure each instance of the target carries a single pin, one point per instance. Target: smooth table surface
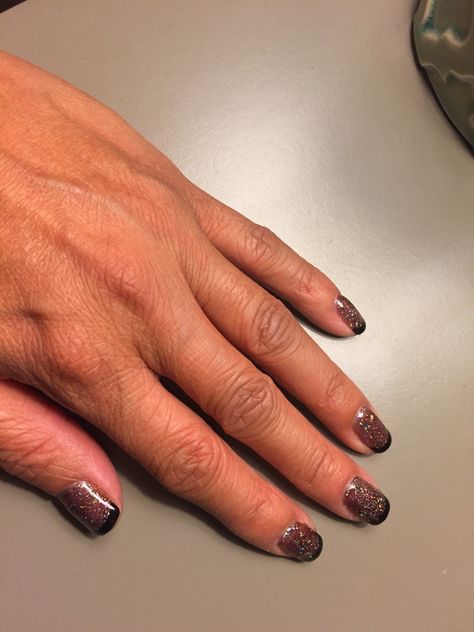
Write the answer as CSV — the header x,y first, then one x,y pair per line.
x,y
312,118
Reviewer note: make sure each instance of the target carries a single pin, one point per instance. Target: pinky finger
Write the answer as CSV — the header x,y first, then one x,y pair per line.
x,y
43,446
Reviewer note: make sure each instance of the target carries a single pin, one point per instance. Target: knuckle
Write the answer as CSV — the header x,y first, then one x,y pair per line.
x,y
271,329
333,393
162,204
260,243
75,368
260,506
320,467
249,407
210,213
69,356
128,276
192,464
308,284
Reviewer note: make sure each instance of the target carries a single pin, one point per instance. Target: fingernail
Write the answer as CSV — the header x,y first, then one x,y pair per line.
x,y
366,501
301,542
371,430
350,315
90,507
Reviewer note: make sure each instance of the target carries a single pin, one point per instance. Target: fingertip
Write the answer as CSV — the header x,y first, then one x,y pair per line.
x,y
91,507
301,542
360,328
384,448
370,430
364,500
350,315
111,521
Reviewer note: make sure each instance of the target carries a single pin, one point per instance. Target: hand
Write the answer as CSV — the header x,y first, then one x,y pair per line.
x,y
115,270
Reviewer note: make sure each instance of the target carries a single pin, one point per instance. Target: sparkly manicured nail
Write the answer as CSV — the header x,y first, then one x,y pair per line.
x,y
366,501
371,430
90,507
301,542
350,315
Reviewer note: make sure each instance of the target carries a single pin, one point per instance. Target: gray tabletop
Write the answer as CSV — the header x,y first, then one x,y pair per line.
x,y
312,118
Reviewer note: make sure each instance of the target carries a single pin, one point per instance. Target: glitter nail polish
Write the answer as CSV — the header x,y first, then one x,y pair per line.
x,y
366,501
371,430
350,315
301,542
90,507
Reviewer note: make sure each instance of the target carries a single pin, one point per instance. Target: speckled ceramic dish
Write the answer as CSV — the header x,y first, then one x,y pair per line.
x,y
444,42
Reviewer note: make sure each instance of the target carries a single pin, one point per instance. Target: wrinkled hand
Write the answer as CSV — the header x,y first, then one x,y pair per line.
x,y
115,270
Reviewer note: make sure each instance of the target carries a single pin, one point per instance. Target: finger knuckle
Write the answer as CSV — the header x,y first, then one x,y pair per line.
x,y
333,393
250,407
68,355
128,276
308,284
260,506
212,216
271,329
162,205
320,467
192,464
260,243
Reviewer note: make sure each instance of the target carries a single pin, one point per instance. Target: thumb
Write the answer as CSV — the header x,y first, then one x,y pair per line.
x,y
41,444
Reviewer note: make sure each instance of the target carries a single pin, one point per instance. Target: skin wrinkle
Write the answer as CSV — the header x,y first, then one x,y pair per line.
x,y
174,335
269,331
154,425
261,244
188,460
261,507
319,466
251,409
150,168
312,289
207,214
24,456
82,374
217,282
332,394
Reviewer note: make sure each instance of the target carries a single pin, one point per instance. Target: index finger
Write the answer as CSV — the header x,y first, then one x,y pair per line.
x,y
263,256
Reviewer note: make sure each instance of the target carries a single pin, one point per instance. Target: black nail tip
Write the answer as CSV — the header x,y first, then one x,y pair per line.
x,y
315,554
300,542
385,447
110,520
382,516
318,549
359,328
350,315
366,501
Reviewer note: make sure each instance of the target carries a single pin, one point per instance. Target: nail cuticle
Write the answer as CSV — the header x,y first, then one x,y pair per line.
x,y
371,431
350,315
90,507
301,542
366,502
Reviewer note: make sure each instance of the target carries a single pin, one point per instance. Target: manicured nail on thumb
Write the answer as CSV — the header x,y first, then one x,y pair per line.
x,y
90,507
